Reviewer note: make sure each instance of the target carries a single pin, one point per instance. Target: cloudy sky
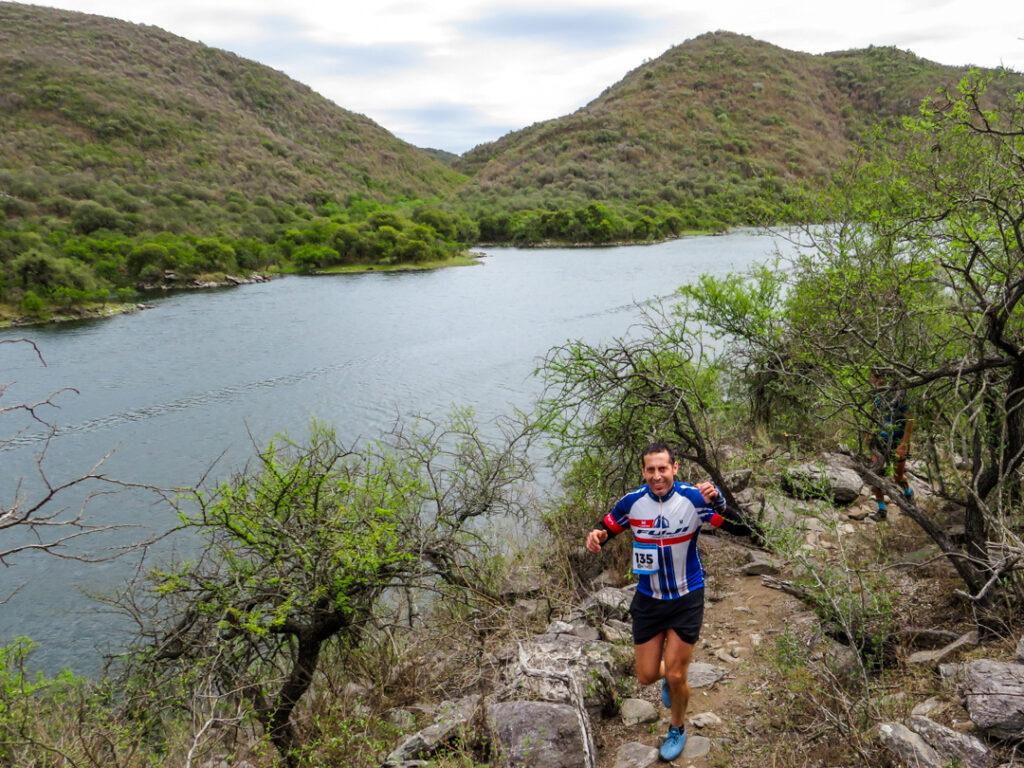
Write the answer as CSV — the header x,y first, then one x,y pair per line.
x,y
452,74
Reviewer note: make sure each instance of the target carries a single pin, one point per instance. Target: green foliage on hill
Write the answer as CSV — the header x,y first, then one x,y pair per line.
x,y
129,157
718,131
126,151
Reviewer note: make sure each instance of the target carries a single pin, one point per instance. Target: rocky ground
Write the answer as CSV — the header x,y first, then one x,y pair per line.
x,y
741,622
769,686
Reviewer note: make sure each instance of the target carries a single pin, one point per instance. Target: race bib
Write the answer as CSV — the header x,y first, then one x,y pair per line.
x,y
645,558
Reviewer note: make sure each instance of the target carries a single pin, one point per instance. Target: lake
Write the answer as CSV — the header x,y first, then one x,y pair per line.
x,y
204,375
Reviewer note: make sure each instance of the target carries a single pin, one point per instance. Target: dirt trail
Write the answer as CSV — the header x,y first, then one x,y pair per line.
x,y
742,619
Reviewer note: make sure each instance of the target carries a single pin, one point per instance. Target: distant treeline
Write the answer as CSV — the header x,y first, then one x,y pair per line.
x,y
72,243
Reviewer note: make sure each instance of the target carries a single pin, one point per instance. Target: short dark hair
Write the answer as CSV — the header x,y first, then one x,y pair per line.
x,y
658,446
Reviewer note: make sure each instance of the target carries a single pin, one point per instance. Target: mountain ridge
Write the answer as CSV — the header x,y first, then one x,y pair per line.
x,y
721,112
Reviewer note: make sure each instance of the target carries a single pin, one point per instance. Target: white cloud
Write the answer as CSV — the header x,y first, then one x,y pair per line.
x,y
458,73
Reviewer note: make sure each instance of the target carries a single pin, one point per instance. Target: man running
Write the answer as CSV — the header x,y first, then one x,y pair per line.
x,y
890,442
668,606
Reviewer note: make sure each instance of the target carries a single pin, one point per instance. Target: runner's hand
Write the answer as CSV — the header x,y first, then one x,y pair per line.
x,y
707,490
595,539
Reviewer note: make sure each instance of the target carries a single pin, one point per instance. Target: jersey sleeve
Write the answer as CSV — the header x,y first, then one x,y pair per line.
x,y
616,521
709,513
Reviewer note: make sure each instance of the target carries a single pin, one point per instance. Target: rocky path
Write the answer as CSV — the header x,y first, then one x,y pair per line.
x,y
742,621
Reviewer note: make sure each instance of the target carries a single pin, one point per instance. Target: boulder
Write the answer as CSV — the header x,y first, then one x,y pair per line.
x,y
537,734
634,711
584,631
564,669
608,603
738,480
696,746
927,707
635,755
830,478
618,632
454,719
994,694
523,583
952,747
747,499
702,675
758,564
909,746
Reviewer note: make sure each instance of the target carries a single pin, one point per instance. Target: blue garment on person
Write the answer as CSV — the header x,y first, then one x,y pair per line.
x,y
673,523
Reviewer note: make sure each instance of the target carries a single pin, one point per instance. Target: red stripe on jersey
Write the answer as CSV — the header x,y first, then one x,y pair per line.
x,y
664,542
716,520
612,525
642,523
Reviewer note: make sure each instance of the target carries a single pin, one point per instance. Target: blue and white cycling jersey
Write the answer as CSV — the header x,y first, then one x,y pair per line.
x,y
667,528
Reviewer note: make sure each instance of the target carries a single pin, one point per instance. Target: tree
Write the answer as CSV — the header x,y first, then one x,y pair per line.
x,y
34,519
604,404
920,272
312,545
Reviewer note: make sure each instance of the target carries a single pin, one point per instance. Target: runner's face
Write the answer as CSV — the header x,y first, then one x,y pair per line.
x,y
659,472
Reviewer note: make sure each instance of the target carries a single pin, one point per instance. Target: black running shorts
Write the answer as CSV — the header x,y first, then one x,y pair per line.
x,y
685,615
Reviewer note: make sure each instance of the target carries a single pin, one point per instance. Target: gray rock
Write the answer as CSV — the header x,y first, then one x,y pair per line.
x,y
828,478
738,480
1019,655
608,603
565,669
454,718
746,498
584,631
634,711
696,746
702,675
532,610
706,720
994,693
537,734
843,660
617,632
950,672
635,755
927,707
526,581
936,657
559,627
723,655
952,746
758,564
911,748
355,692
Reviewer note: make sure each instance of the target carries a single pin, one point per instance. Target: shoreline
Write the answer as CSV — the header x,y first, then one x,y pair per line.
x,y
99,312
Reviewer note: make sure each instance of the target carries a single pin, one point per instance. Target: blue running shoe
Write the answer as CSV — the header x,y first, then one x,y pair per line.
x,y
666,696
674,743
909,493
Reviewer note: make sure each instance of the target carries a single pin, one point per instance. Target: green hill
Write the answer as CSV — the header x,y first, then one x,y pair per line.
x,y
90,102
129,155
716,130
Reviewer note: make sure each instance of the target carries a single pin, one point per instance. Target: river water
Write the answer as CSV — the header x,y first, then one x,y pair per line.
x,y
200,376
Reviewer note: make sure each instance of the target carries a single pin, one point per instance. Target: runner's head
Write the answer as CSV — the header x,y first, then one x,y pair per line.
x,y
659,468
658,446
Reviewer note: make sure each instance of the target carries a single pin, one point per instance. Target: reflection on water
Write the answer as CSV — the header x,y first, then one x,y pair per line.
x,y
202,377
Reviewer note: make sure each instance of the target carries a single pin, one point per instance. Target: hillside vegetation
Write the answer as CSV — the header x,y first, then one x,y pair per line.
x,y
125,148
130,158
717,131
